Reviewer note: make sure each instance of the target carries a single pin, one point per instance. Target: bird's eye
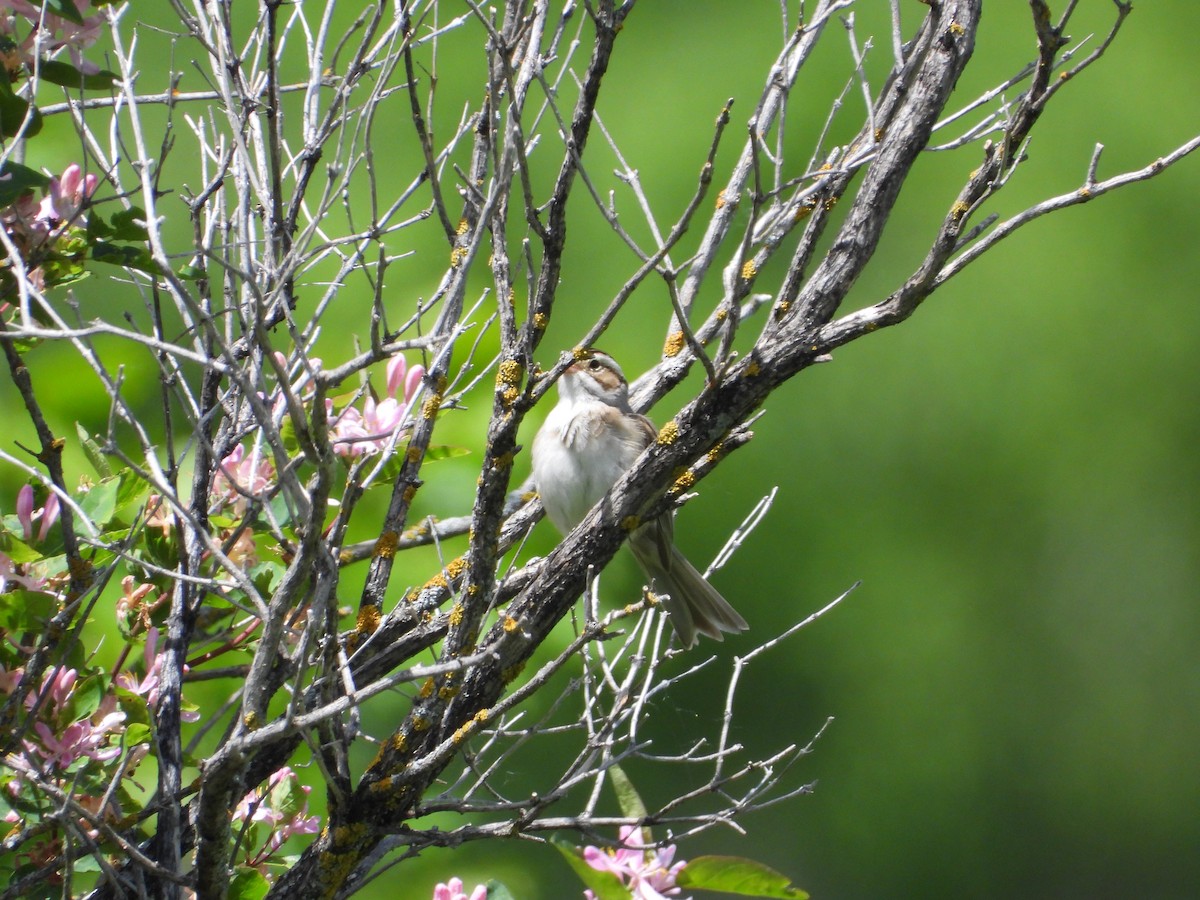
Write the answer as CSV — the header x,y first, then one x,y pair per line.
x,y
594,365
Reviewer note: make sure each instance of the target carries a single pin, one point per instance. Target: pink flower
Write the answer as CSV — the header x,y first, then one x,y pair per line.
x,y
85,738
239,476
455,890
27,515
150,686
68,194
284,809
10,577
354,433
647,872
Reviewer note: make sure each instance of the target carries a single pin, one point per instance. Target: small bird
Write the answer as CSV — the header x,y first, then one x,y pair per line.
x,y
591,437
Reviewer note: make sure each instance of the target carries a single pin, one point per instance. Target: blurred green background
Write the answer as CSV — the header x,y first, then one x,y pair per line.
x,y
1012,474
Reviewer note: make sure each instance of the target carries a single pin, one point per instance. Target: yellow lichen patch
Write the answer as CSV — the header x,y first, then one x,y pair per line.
x,y
504,460
483,715
957,30
749,270
1063,76
400,742
716,452
250,720
1085,194
456,614
669,433
345,558
413,454
804,212
510,674
510,395
457,255
674,344
510,624
385,546
720,198
448,692
752,368
412,596
830,203
382,786
463,227
426,689
420,723
410,491
581,353
368,620
437,581
528,495
472,590
879,134
629,523
456,567
722,315
509,373
684,481
540,321
959,209
460,733
430,407
783,306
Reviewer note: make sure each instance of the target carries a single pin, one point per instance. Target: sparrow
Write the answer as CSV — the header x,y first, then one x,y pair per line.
x,y
590,438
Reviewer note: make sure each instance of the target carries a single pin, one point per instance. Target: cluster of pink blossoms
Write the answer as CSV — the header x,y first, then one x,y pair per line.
x,y
647,873
36,227
283,809
46,33
356,433
26,576
455,890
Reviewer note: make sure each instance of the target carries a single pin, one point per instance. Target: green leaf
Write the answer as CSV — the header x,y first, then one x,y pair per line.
x,y
14,111
287,797
605,885
120,255
627,796
735,875
127,227
445,451
248,884
191,272
84,700
16,179
497,891
136,734
100,503
64,8
22,611
66,75
20,552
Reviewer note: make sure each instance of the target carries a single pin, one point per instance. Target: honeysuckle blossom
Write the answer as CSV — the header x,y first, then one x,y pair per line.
x,y
357,433
647,872
279,809
11,577
454,889
149,686
27,515
49,33
67,194
62,746
240,476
